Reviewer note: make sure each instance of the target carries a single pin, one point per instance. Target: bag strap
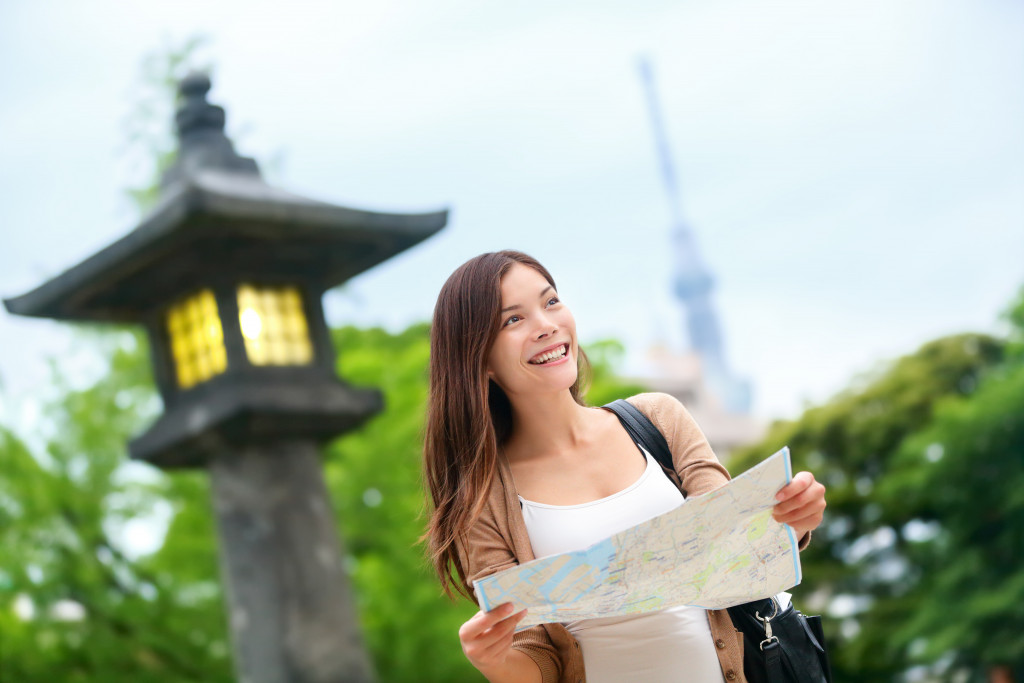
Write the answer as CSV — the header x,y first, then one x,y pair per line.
x,y
772,654
643,432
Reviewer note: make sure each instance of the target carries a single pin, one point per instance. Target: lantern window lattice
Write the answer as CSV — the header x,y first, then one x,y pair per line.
x,y
273,324
197,339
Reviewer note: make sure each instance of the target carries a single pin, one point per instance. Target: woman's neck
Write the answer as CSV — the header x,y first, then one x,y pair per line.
x,y
552,423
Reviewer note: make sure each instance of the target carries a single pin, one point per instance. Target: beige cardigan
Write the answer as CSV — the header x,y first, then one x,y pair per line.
x,y
499,540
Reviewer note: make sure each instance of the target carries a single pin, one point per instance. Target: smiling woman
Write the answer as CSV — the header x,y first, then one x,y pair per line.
x,y
517,465
537,330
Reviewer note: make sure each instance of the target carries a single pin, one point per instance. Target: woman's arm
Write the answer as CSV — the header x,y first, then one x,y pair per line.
x,y
521,669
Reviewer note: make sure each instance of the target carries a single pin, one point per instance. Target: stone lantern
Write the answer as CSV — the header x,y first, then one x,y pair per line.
x,y
226,274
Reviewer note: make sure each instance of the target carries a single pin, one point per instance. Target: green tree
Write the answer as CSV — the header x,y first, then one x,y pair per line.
x,y
90,610
922,460
960,484
150,141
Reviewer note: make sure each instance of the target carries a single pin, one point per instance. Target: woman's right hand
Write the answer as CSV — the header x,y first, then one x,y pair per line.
x,y
487,638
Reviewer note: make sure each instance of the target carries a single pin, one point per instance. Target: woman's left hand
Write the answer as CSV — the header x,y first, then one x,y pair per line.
x,y
801,504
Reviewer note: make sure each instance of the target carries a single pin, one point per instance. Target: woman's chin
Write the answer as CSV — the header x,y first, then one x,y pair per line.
x,y
564,380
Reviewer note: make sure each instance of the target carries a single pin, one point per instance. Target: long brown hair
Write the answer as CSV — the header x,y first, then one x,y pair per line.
x,y
468,415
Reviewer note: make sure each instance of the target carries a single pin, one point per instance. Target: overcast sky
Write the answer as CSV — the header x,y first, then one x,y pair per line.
x,y
853,170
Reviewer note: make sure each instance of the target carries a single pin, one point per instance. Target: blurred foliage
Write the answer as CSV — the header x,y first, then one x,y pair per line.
x,y
96,611
148,126
963,477
918,562
1014,316
101,611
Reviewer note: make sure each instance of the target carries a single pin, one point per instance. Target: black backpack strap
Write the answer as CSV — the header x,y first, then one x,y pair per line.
x,y
643,432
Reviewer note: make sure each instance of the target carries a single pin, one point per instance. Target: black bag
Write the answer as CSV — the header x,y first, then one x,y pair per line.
x,y
777,648
780,648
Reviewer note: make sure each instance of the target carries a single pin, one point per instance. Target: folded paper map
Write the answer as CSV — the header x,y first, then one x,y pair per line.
x,y
713,551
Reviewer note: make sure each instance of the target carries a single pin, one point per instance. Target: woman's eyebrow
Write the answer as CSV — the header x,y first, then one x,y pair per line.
x,y
515,306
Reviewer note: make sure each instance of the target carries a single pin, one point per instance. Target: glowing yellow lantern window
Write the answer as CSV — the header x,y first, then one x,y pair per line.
x,y
197,339
274,326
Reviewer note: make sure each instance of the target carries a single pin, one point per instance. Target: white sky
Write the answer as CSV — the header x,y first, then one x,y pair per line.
x,y
853,170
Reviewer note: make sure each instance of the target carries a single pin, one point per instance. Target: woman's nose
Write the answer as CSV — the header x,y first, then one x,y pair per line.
x,y
545,327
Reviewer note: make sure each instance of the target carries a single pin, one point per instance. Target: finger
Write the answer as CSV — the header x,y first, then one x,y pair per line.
x,y
810,517
813,506
494,650
481,621
493,641
501,625
799,516
508,624
812,495
500,637
800,482
802,526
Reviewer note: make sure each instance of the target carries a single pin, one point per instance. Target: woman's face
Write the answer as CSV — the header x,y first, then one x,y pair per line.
x,y
535,326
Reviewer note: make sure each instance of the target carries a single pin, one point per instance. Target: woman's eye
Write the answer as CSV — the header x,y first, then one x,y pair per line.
x,y
510,319
553,300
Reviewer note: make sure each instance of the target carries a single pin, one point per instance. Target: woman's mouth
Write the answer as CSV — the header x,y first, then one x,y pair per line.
x,y
551,357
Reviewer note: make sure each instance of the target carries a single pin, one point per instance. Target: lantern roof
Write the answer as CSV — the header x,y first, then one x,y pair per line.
x,y
217,218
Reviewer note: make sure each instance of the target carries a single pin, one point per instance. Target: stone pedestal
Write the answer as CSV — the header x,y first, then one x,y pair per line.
x,y
290,611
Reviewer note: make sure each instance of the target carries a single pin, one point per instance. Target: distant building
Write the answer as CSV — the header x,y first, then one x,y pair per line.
x,y
682,376
699,377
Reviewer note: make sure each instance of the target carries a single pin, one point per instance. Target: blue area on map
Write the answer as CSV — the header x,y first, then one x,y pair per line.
x,y
596,558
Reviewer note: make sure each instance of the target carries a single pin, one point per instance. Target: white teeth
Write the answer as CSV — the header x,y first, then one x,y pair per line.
x,y
550,355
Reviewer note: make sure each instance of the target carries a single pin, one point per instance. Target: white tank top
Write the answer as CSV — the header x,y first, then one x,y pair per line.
x,y
671,645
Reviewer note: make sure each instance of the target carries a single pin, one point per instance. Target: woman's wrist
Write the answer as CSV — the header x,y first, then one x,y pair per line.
x,y
518,667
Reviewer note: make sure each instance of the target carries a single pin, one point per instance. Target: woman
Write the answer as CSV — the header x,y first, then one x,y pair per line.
x,y
518,467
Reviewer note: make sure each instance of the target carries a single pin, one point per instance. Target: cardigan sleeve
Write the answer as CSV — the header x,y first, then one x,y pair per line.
x,y
486,551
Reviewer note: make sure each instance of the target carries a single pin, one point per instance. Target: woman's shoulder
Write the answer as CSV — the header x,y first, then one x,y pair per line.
x,y
669,415
694,460
656,403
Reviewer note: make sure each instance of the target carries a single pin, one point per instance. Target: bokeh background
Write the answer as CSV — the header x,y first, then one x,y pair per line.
x,y
853,173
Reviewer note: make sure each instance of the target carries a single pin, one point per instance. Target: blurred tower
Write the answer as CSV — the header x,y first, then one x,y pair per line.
x,y
699,377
